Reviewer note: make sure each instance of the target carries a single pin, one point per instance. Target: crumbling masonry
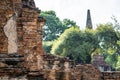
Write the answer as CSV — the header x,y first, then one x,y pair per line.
x,y
21,53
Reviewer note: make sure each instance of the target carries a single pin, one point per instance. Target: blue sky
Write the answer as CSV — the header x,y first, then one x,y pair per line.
x,y
76,10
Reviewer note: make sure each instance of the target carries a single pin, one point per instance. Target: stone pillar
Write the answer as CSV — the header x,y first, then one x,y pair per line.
x,y
89,21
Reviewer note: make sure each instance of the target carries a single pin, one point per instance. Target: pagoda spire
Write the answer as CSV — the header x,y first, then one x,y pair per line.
x,y
89,21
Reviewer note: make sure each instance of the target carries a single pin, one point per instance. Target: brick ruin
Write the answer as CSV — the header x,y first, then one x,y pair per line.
x,y
20,36
21,53
99,62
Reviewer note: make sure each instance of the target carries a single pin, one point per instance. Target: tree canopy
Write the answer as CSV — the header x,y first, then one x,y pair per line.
x,y
75,44
54,27
108,41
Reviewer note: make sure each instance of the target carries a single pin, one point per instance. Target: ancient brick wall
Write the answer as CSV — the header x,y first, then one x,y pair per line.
x,y
29,36
115,75
89,72
29,31
86,72
28,28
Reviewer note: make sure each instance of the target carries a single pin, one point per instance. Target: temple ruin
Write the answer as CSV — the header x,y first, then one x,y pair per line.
x,y
89,20
21,53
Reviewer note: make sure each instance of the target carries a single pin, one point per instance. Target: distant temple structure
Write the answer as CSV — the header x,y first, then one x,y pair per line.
x,y
89,21
99,62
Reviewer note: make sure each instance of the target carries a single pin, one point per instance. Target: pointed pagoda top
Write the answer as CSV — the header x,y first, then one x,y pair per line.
x,y
89,21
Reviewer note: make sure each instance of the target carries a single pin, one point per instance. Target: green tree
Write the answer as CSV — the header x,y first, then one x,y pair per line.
x,y
68,23
118,64
108,42
75,44
47,45
54,27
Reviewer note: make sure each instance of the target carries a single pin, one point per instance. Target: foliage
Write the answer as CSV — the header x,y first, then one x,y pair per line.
x,y
75,44
108,41
106,33
116,24
112,59
118,64
47,45
54,26
80,45
68,23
